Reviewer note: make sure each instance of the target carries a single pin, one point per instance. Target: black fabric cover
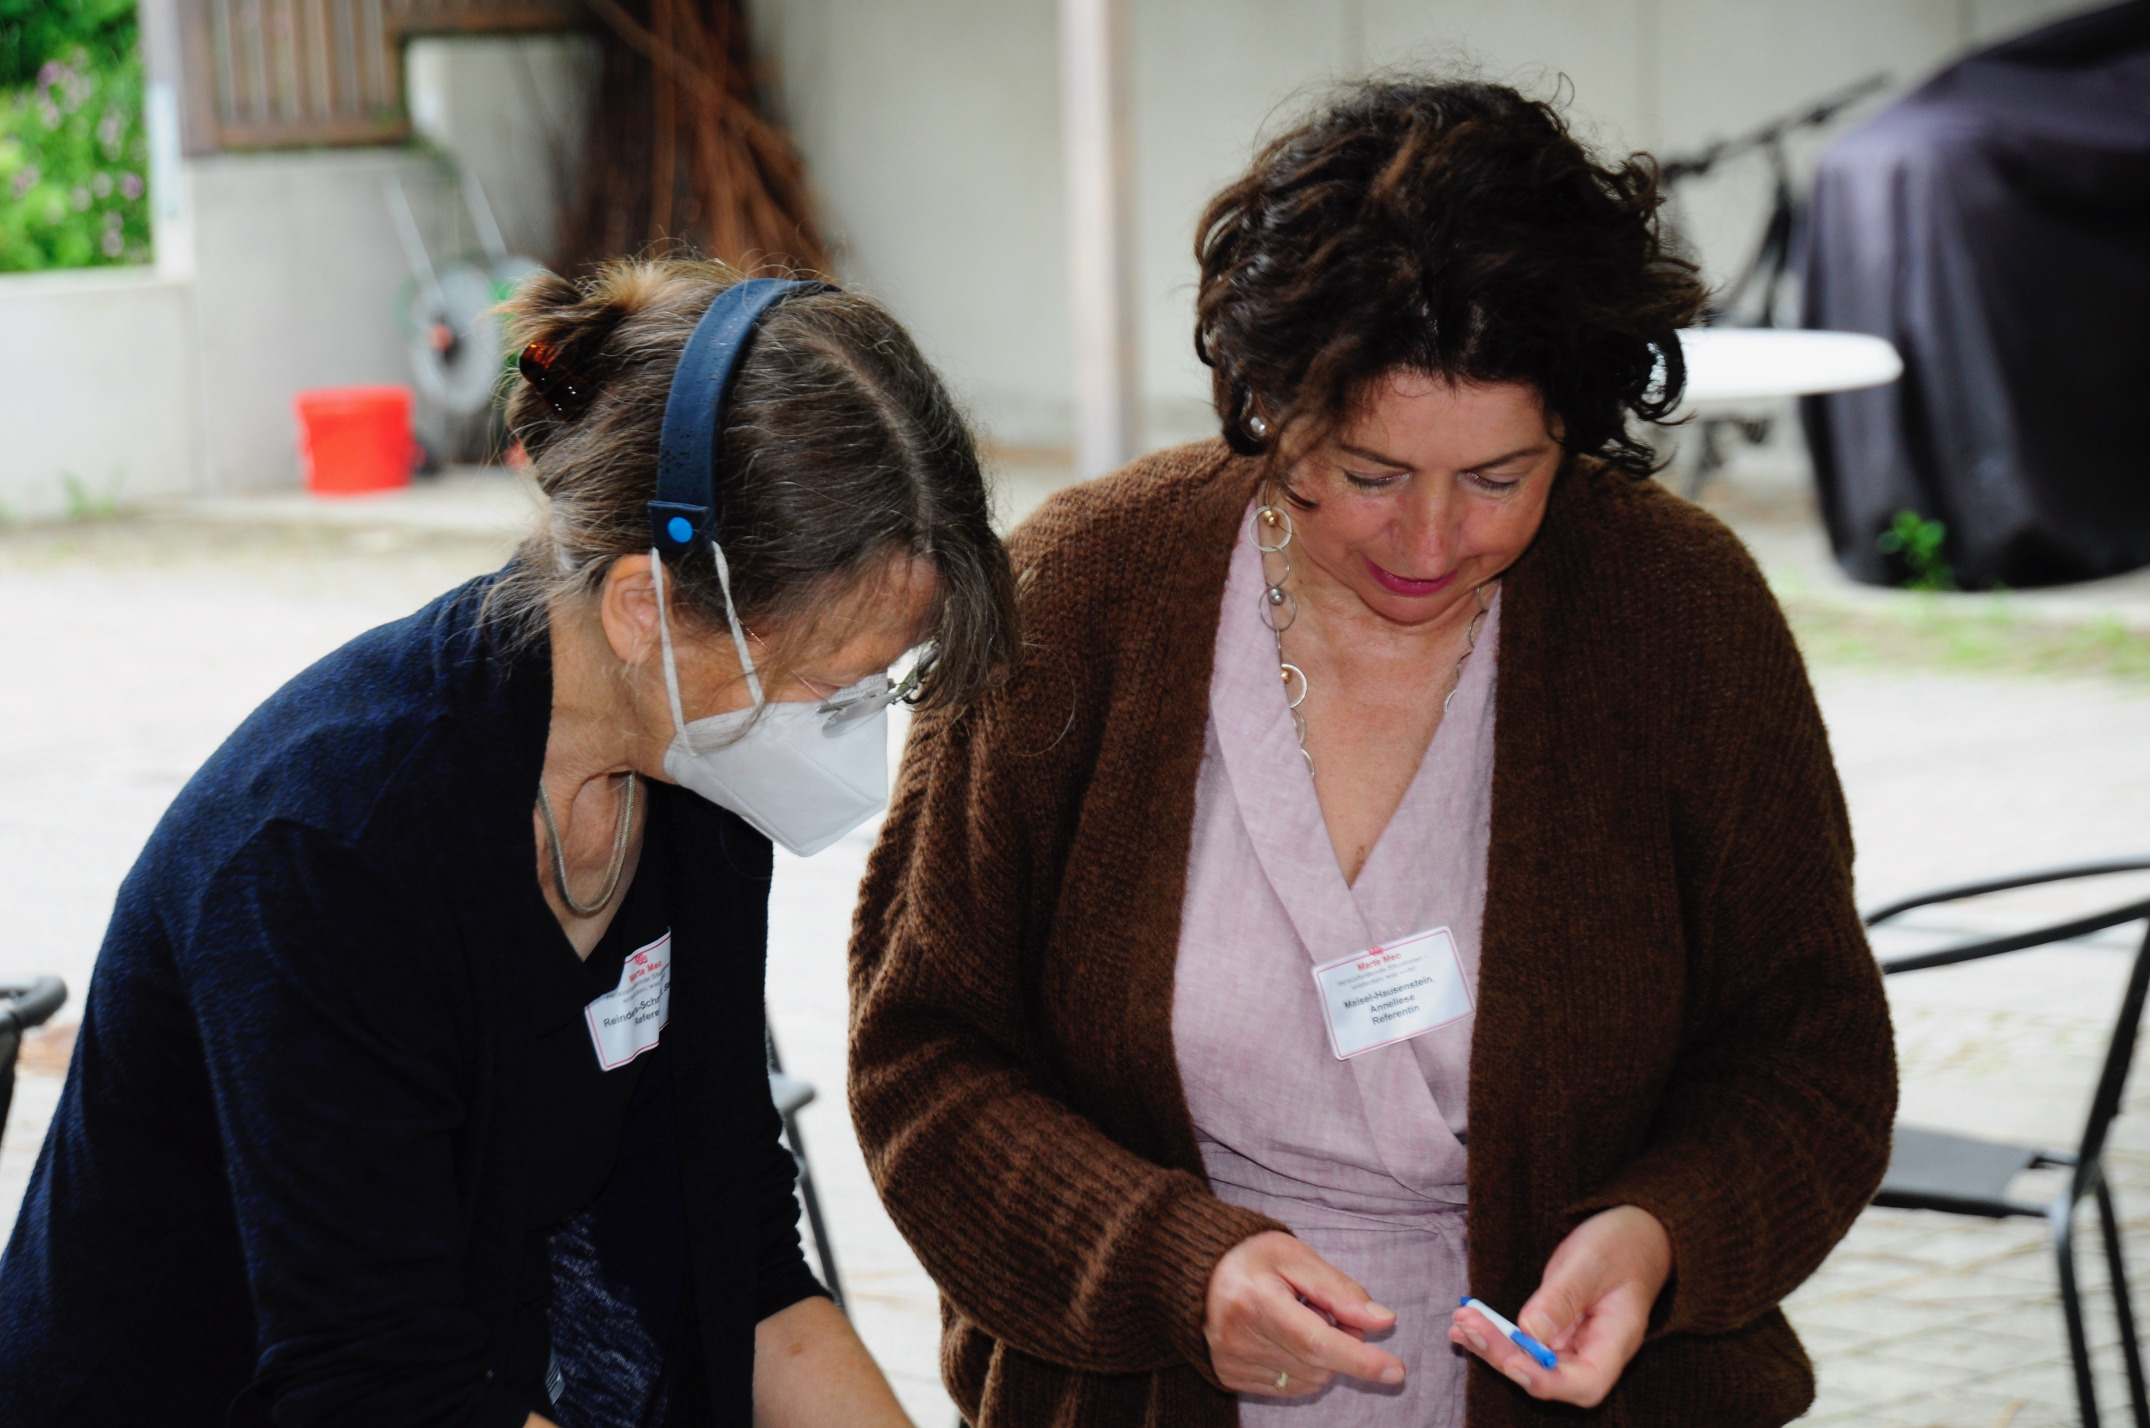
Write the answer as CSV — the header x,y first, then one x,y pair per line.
x,y
1995,225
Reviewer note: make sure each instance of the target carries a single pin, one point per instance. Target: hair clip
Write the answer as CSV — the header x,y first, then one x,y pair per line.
x,y
558,385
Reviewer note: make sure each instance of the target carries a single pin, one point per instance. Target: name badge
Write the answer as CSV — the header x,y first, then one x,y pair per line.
x,y
1392,993
625,1021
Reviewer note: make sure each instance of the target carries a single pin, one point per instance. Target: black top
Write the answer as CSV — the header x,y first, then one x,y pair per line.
x,y
581,1106
290,1163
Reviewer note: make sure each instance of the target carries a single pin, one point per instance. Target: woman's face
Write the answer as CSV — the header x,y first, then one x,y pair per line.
x,y
857,632
1433,490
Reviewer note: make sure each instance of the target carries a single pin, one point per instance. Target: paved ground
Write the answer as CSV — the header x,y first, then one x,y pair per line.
x,y
1974,736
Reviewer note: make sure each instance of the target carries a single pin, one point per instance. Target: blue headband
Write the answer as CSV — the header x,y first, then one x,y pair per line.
x,y
685,510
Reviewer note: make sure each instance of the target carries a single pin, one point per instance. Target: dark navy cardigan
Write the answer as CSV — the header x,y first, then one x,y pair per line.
x,y
285,1179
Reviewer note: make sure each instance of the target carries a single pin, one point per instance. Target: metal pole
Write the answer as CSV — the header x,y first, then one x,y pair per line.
x,y
1094,108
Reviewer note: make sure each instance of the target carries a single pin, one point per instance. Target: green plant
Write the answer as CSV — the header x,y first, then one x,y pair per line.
x,y
1919,541
86,504
34,31
73,159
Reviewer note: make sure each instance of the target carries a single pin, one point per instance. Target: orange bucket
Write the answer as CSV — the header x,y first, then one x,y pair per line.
x,y
354,439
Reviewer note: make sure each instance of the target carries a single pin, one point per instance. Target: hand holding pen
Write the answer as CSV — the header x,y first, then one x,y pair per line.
x,y
1590,1312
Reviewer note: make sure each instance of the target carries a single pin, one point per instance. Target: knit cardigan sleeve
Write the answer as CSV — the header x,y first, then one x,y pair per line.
x,y
1055,1234
1773,1130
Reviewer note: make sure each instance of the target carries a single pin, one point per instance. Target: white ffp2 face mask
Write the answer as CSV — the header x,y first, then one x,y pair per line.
x,y
803,774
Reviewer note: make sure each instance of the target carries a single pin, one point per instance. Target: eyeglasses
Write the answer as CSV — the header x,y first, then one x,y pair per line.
x,y
844,709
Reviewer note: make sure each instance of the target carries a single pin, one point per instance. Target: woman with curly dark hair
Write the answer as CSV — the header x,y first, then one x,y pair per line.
x,y
1235,993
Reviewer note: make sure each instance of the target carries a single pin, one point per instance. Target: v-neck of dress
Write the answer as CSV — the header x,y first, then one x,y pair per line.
x,y
1426,870
1261,753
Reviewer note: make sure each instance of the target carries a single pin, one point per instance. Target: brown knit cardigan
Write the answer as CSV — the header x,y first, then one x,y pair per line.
x,y
1676,1005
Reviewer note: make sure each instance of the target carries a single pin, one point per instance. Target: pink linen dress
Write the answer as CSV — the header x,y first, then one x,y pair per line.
x,y
1364,1158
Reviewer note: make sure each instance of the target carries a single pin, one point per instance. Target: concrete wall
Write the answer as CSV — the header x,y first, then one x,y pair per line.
x,y
299,275
513,111
95,390
932,131
296,274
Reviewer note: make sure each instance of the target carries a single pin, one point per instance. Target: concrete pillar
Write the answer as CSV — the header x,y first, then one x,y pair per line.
x,y
1100,178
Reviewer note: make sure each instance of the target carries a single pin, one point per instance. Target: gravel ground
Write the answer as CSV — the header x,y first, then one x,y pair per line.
x,y
132,646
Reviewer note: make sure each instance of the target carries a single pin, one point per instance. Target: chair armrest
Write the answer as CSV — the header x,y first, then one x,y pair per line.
x,y
2017,941
789,1093
32,1003
2022,880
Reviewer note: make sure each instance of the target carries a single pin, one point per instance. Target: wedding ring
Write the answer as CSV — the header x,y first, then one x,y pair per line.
x,y
1283,1379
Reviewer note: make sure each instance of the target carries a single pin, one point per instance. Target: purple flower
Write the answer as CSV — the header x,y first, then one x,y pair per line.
x,y
130,186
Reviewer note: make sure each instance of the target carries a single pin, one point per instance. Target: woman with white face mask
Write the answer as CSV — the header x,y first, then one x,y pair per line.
x,y
421,1078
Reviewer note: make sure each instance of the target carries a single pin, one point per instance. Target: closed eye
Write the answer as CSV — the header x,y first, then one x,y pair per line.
x,y
1491,484
1372,480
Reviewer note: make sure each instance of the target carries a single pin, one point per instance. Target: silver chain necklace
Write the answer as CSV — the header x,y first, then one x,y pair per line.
x,y
620,836
1273,537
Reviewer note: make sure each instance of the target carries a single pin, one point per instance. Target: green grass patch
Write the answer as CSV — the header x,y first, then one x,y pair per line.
x,y
1985,634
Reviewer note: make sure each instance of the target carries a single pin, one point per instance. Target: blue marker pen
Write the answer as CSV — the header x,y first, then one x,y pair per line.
x,y
1546,1357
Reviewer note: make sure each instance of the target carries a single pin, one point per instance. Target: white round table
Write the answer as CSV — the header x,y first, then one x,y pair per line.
x,y
1733,370
1726,364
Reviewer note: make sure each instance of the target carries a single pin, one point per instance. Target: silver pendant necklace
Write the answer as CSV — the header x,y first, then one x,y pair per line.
x,y
620,836
1273,537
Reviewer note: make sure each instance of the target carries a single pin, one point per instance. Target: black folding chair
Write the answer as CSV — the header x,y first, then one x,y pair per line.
x,y
1961,1175
792,1096
23,1005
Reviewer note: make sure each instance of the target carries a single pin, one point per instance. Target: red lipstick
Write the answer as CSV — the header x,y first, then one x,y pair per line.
x,y
1404,585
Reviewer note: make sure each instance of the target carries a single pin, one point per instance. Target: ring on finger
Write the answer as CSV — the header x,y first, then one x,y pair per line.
x,y
1283,1379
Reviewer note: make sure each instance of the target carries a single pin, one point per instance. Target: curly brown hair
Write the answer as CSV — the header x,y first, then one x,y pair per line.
x,y
1452,228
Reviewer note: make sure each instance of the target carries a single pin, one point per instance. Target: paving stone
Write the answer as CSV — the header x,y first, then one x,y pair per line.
x,y
1825,1341
1964,1349
1875,1377
1983,1407
1865,1315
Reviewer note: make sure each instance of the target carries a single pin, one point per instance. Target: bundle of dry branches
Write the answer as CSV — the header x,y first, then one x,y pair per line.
x,y
680,151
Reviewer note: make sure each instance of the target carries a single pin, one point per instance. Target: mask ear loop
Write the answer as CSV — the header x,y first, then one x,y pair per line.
x,y
671,669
